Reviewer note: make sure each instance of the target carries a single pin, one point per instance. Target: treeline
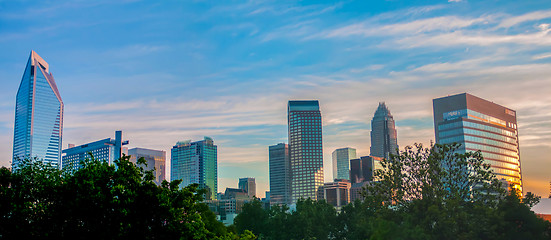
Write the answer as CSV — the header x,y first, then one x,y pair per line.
x,y
423,193
102,201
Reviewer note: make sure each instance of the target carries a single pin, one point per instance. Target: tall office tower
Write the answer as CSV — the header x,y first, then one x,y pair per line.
x,y
363,168
155,159
305,147
249,185
341,160
107,150
38,127
196,162
383,133
478,124
280,174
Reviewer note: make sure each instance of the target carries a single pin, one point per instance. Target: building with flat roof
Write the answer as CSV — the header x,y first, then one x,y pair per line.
x,y
196,162
249,185
155,160
305,147
107,150
280,174
337,193
38,128
478,124
341,162
384,138
362,169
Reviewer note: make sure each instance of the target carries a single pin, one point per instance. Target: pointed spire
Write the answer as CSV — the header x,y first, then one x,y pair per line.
x,y
37,60
382,110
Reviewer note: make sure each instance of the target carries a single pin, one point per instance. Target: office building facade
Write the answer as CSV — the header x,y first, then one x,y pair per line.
x,y
384,139
337,193
478,124
280,174
107,150
196,162
249,185
305,147
155,160
363,169
341,162
38,126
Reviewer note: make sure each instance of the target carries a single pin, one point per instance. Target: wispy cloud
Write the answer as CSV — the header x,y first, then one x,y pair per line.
x,y
531,16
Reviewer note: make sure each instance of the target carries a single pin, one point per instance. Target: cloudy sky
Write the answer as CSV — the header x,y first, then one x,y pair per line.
x,y
175,70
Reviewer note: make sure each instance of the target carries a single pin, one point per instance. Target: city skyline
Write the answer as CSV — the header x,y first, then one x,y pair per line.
x,y
227,70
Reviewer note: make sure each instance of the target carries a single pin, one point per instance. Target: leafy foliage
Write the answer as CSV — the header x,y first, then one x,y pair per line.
x,y
102,201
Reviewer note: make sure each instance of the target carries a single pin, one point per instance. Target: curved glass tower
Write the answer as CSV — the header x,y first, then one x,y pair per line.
x,y
38,115
384,140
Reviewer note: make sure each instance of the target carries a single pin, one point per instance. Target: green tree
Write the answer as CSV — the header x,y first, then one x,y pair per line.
x,y
253,217
312,220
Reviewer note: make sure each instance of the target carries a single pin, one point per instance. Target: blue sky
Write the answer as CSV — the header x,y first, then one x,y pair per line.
x,y
176,70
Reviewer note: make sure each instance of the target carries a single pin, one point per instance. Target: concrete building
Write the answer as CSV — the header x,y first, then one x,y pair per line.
x,y
249,185
341,162
280,174
38,128
196,162
478,124
107,150
384,139
155,160
337,193
305,147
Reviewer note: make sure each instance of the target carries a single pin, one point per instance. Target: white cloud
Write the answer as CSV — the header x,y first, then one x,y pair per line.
x,y
531,16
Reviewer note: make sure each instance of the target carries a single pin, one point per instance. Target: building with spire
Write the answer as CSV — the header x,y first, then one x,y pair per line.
x,y
38,126
384,139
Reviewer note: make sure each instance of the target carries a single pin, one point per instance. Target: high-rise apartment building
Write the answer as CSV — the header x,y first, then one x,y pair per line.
x,y
341,162
38,126
196,162
107,150
363,168
280,174
478,124
249,185
384,140
305,147
155,159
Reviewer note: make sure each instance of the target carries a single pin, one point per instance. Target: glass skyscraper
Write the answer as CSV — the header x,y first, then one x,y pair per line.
x,y
341,162
156,159
196,162
384,140
280,174
38,127
478,124
305,147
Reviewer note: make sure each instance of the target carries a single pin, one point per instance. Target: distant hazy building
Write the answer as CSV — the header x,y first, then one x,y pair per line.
x,y
107,150
155,159
196,162
249,185
356,190
337,193
341,162
363,168
38,126
280,174
383,133
305,147
478,124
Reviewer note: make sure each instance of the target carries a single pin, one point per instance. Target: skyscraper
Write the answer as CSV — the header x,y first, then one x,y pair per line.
x,y
196,162
280,174
341,162
305,146
383,133
478,124
249,185
362,169
156,159
107,150
38,127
